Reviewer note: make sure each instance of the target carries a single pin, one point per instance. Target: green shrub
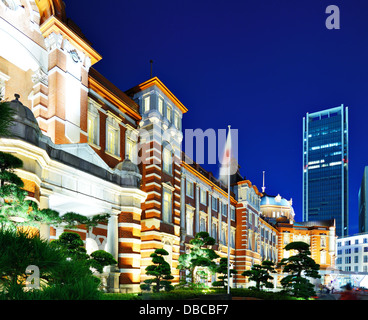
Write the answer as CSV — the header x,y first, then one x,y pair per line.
x,y
60,278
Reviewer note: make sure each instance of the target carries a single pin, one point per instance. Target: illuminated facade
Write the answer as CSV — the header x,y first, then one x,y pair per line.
x,y
325,167
90,148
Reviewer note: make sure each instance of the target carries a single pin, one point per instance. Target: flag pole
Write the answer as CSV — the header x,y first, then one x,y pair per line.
x,y
228,220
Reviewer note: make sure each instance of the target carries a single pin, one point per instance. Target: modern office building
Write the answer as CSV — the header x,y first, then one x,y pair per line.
x,y
325,167
352,261
352,253
362,198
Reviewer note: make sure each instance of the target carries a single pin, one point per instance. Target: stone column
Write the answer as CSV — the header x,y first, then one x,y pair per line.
x,y
112,235
182,209
112,248
331,245
219,226
197,210
44,228
209,212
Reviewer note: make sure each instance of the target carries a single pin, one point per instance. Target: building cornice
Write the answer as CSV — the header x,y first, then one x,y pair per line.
x,y
54,25
156,81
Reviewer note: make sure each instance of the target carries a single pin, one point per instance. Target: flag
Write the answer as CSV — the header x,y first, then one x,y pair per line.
x,y
228,160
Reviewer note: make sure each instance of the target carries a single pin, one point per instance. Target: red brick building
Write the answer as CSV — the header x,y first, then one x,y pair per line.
x,y
90,147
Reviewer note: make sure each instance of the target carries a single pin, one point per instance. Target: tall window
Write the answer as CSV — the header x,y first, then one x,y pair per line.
x,y
202,226
214,204
203,196
130,151
112,136
189,220
93,123
161,106
224,209
323,241
214,230
167,161
168,113
223,235
232,210
232,238
190,189
167,205
146,104
177,121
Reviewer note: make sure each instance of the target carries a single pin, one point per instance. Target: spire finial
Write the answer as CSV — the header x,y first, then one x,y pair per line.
x,y
263,187
151,62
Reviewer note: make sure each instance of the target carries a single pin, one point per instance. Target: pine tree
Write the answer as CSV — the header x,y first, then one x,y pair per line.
x,y
161,271
260,274
300,266
200,255
222,269
15,209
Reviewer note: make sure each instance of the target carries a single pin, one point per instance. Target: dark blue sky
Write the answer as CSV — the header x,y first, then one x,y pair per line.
x,y
258,65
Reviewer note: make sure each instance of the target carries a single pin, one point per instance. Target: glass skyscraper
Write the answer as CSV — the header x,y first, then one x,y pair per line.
x,y
325,167
363,199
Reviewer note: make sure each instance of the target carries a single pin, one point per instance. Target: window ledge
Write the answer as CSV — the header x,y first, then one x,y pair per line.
x,y
113,155
94,145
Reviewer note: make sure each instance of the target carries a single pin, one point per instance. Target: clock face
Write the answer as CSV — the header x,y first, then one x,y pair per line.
x,y
11,4
74,55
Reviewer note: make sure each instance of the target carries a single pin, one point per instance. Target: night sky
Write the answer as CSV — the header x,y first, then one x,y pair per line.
x,y
258,65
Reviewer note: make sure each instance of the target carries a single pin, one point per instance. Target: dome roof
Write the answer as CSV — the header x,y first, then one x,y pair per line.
x,y
275,201
129,173
25,125
127,165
